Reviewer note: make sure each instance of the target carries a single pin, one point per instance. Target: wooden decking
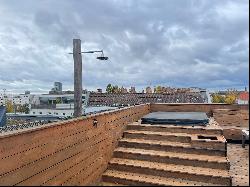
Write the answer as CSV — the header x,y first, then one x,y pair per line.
x,y
169,155
239,164
239,161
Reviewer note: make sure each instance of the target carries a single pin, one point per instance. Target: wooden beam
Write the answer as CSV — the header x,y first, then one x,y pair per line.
x,y
77,77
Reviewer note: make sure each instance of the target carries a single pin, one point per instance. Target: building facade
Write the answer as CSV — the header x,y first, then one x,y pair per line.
x,y
15,99
243,98
55,104
132,90
58,86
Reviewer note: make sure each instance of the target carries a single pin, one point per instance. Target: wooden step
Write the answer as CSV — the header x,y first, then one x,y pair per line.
x,y
205,161
169,146
218,143
148,135
199,174
135,179
174,128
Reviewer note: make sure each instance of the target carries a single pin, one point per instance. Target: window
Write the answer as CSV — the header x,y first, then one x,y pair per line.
x,y
64,114
34,113
40,113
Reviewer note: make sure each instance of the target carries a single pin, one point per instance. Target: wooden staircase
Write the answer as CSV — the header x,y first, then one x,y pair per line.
x,y
169,155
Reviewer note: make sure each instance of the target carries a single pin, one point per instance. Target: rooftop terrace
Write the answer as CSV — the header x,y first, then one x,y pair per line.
x,y
78,151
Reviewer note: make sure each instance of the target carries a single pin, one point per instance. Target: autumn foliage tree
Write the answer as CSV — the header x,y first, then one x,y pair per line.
x,y
229,98
9,107
216,98
113,89
158,89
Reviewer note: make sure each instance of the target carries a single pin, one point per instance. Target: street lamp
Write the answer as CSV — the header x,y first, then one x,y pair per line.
x,y
77,55
102,57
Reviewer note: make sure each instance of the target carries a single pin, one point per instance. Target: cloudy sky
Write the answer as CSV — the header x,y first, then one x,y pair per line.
x,y
178,43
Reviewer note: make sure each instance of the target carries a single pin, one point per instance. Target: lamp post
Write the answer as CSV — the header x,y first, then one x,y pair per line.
x,y
77,55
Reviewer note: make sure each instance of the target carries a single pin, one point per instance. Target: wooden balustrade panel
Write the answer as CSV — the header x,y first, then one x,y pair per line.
x,y
71,152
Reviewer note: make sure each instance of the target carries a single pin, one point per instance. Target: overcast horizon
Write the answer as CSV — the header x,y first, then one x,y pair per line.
x,y
184,43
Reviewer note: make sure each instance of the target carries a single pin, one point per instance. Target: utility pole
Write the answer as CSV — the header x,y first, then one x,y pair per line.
x,y
77,55
77,77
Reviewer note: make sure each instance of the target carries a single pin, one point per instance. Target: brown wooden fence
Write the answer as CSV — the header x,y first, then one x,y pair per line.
x,y
73,152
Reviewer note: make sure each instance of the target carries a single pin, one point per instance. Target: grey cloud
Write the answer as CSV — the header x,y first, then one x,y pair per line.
x,y
177,43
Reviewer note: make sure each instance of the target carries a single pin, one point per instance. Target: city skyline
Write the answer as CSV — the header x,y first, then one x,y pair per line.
x,y
138,90
148,43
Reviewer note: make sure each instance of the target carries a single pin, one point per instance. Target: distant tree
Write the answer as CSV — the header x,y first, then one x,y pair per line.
x,y
115,89
58,100
230,98
25,108
216,98
109,88
9,107
158,89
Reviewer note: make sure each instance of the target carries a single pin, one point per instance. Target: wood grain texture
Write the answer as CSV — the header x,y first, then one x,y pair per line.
x,y
64,153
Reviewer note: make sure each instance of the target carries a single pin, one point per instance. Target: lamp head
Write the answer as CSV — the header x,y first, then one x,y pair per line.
x,y
102,58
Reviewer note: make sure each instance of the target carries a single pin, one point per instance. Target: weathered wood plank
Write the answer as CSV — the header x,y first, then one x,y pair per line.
x,y
38,156
84,173
22,142
40,165
18,160
59,168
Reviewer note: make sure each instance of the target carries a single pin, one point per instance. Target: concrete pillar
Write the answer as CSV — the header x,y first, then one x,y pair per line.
x,y
77,77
